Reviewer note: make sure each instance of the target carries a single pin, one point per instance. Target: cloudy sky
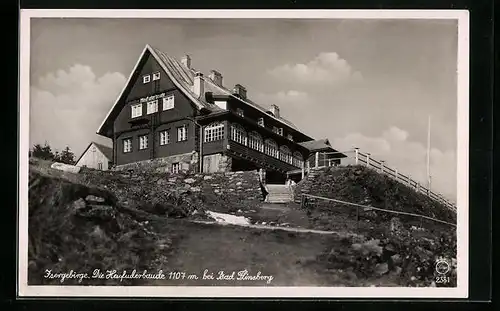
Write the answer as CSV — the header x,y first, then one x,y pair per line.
x,y
365,83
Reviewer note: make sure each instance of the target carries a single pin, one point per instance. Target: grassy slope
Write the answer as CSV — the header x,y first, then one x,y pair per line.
x,y
65,233
364,186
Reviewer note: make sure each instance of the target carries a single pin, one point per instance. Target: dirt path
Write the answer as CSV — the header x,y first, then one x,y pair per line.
x,y
209,249
289,229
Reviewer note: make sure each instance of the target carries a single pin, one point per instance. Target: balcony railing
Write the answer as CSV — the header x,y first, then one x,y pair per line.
x,y
260,157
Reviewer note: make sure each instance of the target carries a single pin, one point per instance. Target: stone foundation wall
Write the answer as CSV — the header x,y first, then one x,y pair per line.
x,y
225,163
224,192
189,163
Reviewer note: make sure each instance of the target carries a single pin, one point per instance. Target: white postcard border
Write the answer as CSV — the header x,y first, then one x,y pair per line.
x,y
461,291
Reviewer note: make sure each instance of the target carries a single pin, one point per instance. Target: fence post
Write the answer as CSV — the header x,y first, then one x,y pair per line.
x,y
356,153
396,173
409,180
418,187
368,160
357,217
316,159
382,166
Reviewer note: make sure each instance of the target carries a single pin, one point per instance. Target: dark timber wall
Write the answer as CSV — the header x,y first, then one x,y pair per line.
x,y
154,123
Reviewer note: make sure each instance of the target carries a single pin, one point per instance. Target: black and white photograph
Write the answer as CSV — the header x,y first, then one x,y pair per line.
x,y
243,153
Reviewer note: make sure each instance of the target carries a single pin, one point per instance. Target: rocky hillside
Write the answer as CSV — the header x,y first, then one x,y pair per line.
x,y
77,220
74,226
394,242
124,221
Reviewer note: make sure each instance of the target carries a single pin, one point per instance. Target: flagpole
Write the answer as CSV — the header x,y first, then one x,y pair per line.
x,y
429,154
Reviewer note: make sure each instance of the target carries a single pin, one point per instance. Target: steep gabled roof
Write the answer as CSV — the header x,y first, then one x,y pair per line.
x,y
317,145
221,90
186,76
183,78
175,72
107,151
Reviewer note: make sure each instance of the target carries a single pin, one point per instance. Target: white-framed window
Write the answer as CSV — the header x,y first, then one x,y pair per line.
x,y
182,133
280,131
238,134
99,166
127,145
289,137
156,76
260,121
285,154
271,148
276,129
143,142
240,112
164,137
255,141
146,79
214,131
176,167
152,107
297,159
168,102
136,110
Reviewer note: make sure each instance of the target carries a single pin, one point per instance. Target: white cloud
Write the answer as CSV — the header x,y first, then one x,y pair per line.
x,y
396,134
409,157
286,98
324,69
292,103
68,106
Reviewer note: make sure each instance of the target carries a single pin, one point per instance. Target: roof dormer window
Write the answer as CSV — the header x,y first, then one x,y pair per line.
x,y
156,76
146,79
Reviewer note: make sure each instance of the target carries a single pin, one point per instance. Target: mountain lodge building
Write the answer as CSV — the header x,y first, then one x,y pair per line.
x,y
170,112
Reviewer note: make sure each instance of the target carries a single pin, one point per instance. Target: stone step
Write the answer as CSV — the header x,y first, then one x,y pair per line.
x,y
279,202
272,199
274,195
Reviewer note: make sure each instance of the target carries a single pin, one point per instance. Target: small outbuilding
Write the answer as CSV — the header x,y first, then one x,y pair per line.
x,y
96,156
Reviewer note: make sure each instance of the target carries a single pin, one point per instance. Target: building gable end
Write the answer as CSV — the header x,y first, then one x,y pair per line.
x,y
134,78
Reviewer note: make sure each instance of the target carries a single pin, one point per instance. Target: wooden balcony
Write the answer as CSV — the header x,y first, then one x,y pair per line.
x,y
261,159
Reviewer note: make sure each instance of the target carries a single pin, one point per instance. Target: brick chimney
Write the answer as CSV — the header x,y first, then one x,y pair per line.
x,y
216,77
240,90
198,84
275,110
186,61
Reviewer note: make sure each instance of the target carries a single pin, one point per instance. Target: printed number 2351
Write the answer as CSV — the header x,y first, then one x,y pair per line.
x,y
442,279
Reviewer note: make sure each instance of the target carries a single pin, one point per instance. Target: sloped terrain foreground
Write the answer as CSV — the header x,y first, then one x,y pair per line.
x,y
86,223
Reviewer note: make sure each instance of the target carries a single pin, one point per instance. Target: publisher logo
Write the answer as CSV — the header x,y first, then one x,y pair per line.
x,y
442,266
